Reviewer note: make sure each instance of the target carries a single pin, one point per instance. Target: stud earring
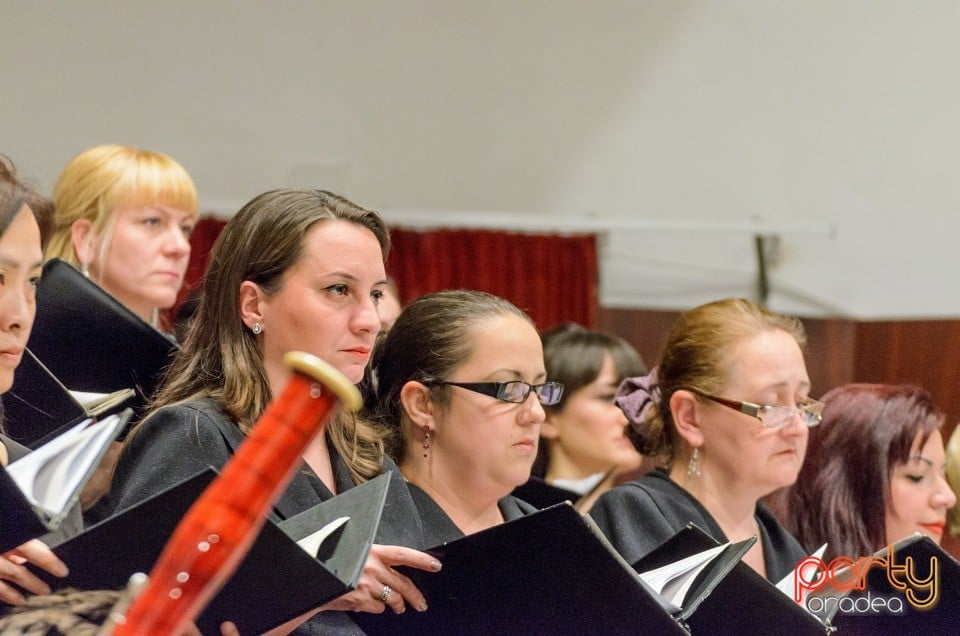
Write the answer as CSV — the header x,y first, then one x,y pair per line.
x,y
257,329
693,467
426,442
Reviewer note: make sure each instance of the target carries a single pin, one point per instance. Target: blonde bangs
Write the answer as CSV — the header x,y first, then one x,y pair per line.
x,y
154,179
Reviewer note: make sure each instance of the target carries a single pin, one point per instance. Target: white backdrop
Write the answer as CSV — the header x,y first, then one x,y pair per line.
x,y
678,128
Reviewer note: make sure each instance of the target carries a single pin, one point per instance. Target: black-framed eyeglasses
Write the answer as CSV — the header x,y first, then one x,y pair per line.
x,y
774,415
514,391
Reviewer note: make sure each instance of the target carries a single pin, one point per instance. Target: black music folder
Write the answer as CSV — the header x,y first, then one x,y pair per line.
x,y
18,522
733,598
550,572
39,407
38,490
91,342
542,494
881,608
277,580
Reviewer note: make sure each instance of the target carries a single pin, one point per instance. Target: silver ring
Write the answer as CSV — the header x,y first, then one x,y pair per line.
x,y
387,591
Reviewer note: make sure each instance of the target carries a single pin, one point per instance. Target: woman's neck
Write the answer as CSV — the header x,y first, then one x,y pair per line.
x,y
734,513
317,457
732,507
458,497
562,466
150,315
144,310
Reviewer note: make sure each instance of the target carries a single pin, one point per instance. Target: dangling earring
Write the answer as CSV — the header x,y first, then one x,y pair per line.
x,y
85,269
426,442
693,467
257,329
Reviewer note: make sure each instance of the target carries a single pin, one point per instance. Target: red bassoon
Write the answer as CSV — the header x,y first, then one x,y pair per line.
x,y
218,530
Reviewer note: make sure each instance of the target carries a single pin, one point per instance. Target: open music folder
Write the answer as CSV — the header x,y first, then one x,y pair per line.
x,y
38,490
913,588
91,342
741,601
550,572
278,579
39,407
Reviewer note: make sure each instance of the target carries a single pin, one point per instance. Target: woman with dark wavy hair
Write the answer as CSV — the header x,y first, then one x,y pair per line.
x,y
874,471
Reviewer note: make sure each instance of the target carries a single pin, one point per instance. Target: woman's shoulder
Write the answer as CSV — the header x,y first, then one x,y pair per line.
x,y
782,544
197,420
514,508
643,492
170,445
639,515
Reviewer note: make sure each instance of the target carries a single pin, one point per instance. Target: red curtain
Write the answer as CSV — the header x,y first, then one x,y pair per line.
x,y
201,242
551,277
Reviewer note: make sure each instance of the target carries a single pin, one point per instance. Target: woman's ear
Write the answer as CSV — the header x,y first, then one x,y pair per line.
x,y
550,429
251,304
685,409
416,403
84,243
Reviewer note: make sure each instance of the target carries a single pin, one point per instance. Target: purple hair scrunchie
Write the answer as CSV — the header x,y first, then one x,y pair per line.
x,y
638,398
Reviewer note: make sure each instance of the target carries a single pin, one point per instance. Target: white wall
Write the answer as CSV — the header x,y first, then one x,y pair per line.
x,y
833,123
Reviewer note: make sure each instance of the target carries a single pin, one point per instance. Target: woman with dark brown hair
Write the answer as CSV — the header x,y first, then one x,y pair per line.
x,y
583,436
461,387
874,471
293,270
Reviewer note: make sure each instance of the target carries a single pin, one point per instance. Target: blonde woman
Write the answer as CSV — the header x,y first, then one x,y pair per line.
x,y
124,216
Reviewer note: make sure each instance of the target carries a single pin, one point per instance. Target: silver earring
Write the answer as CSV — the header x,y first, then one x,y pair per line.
x,y
85,269
426,442
257,329
693,468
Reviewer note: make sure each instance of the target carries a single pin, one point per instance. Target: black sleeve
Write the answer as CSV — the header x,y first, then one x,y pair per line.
x,y
631,521
170,446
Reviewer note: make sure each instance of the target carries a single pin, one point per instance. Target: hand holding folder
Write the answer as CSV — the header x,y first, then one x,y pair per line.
x,y
550,572
38,490
277,581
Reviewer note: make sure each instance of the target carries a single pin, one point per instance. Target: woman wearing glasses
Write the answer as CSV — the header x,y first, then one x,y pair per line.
x,y
874,472
729,406
461,386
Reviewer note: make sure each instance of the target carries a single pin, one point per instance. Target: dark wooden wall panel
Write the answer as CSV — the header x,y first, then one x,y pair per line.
x,y
921,352
830,350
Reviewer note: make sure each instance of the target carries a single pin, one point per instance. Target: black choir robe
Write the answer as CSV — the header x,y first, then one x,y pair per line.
x,y
178,441
640,515
439,529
